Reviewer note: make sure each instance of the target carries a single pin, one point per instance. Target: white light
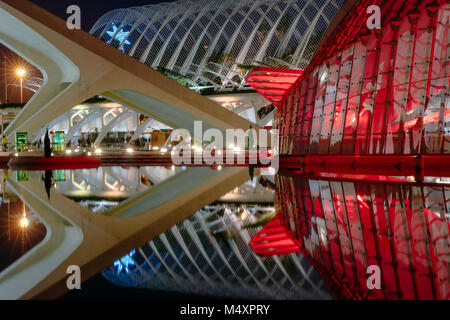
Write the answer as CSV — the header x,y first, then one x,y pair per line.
x,y
52,154
129,150
69,151
237,149
219,168
324,76
155,148
89,153
163,150
21,72
24,222
98,150
77,150
173,168
16,154
219,152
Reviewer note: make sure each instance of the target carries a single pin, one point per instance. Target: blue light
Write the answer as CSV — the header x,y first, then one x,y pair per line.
x,y
120,36
125,262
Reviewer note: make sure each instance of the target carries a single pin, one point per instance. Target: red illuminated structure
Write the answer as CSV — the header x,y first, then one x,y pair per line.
x,y
344,226
274,239
375,91
367,121
274,84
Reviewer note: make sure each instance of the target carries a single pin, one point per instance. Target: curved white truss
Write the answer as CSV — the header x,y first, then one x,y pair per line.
x,y
209,254
209,42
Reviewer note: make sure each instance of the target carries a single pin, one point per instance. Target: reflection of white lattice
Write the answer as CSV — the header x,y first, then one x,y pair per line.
x,y
111,182
209,254
209,43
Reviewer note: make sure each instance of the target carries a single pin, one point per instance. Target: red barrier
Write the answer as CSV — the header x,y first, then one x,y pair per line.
x,y
55,163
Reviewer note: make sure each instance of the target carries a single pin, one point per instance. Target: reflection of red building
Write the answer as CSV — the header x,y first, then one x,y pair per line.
x,y
343,227
382,93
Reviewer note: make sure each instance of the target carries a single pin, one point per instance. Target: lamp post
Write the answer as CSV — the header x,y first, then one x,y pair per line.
x,y
21,73
6,78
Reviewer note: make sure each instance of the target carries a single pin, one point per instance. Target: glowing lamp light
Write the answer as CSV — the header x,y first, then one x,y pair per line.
x,y
219,168
130,150
98,150
155,148
21,72
24,222
89,154
69,151
163,150
16,154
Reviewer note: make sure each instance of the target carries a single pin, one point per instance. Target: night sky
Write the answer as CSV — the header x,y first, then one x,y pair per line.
x,y
91,10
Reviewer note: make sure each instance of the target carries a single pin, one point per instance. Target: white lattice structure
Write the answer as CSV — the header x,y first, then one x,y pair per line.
x,y
212,43
208,254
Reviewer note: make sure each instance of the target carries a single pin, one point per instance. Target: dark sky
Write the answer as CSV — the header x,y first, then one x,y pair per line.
x,y
91,10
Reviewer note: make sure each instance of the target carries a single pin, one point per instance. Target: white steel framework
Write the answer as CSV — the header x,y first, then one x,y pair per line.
x,y
209,254
212,44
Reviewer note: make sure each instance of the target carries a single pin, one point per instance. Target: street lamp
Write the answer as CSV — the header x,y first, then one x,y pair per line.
x,y
6,79
21,73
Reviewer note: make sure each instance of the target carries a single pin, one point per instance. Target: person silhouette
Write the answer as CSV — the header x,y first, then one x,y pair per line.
x,y
47,149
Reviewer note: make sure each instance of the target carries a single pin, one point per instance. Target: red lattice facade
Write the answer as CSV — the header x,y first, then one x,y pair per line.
x,y
375,91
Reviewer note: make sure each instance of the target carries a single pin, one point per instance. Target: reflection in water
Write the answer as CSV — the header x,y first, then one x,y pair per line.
x,y
48,180
209,254
343,227
103,188
20,229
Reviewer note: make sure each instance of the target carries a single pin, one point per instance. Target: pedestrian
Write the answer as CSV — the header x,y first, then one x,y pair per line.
x,y
5,143
47,148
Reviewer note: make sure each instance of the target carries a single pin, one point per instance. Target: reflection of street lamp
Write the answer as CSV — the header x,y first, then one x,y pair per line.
x,y
24,222
21,73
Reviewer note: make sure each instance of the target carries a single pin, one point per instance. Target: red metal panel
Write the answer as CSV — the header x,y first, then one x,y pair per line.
x,y
274,84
